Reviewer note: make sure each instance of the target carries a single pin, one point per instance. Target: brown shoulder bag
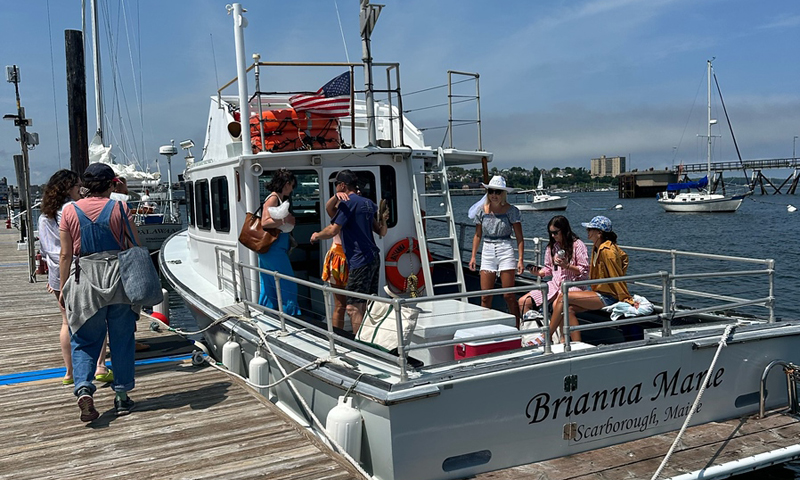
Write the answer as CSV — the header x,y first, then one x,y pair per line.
x,y
254,237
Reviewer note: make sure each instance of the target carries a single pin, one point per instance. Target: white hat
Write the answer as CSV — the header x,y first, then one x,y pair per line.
x,y
498,183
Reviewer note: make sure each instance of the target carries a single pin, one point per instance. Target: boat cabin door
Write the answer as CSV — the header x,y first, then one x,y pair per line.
x,y
368,186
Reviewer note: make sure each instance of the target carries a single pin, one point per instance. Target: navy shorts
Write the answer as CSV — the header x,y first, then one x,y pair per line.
x,y
607,299
364,279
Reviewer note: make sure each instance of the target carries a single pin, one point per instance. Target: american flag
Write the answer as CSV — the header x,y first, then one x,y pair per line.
x,y
332,100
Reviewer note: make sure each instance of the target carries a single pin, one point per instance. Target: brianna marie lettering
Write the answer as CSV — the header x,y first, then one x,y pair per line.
x,y
543,406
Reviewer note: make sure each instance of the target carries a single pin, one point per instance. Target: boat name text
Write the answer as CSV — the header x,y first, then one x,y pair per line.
x,y
543,406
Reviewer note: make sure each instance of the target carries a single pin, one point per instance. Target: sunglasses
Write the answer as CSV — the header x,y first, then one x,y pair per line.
x,y
492,191
554,232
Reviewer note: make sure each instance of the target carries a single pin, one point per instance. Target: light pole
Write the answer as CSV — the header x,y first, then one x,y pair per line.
x,y
794,143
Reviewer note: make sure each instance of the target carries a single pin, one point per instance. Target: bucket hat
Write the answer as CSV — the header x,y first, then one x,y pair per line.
x,y
498,183
599,223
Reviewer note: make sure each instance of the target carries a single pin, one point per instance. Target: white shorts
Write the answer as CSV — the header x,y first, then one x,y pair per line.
x,y
498,256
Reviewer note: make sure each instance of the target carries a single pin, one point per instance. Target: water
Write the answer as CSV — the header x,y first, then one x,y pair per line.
x,y
762,228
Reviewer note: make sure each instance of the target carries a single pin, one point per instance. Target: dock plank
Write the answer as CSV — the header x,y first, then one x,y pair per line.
x,y
189,423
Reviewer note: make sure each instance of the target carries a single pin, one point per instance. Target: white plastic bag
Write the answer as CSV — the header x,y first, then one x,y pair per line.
x,y
279,213
641,307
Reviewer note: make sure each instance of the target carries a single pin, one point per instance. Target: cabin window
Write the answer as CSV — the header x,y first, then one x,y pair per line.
x,y
219,199
189,188
389,192
366,184
304,201
202,205
368,188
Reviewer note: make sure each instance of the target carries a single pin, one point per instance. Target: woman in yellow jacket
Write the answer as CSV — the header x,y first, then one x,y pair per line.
x,y
608,261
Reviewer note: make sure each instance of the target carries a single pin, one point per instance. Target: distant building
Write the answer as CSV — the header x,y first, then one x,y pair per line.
x,y
3,190
607,166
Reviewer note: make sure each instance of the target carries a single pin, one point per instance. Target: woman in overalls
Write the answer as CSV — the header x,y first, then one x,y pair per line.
x,y
92,230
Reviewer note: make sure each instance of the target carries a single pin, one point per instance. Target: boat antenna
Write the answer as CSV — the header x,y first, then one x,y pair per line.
x,y
730,127
367,19
344,42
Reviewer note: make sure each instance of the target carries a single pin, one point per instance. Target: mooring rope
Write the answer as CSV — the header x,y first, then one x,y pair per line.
x,y
722,344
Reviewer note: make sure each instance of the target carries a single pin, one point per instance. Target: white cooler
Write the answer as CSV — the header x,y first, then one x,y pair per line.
x,y
440,320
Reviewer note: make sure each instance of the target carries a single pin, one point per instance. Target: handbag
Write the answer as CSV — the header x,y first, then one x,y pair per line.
x,y
140,279
379,327
254,237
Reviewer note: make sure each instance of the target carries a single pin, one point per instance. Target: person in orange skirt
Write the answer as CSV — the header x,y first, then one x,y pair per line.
x,y
334,269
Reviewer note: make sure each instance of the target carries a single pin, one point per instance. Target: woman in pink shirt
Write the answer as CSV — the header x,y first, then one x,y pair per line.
x,y
572,266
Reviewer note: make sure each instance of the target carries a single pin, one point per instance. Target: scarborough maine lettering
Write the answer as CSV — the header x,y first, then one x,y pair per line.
x,y
543,406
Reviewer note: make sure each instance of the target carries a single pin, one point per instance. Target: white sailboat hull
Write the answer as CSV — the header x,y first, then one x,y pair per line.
x,y
700,203
554,203
153,235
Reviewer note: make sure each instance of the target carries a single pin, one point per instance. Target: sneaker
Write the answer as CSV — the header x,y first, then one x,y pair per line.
x,y
86,404
123,407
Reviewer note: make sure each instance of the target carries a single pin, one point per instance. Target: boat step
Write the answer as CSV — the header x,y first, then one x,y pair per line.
x,y
429,173
432,194
449,284
442,262
435,217
440,239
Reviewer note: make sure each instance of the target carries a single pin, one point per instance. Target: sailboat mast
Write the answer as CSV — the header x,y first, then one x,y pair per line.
x,y
98,93
708,138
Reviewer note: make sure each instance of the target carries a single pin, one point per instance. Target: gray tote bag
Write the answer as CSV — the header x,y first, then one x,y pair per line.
x,y
139,276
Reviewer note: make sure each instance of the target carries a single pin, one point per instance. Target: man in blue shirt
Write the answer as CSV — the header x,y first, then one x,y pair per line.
x,y
356,220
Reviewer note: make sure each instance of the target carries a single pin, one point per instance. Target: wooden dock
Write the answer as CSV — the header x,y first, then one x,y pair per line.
x,y
189,422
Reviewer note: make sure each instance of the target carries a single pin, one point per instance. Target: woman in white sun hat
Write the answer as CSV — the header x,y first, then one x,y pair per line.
x,y
495,221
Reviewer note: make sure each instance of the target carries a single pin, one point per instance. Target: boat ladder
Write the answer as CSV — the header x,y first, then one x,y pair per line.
x,y
447,245
792,372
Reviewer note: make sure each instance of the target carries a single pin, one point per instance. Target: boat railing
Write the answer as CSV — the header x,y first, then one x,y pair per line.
x,y
668,312
389,90
534,253
403,347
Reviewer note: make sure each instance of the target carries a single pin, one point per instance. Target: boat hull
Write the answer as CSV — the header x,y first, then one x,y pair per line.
x,y
506,409
697,203
153,235
553,204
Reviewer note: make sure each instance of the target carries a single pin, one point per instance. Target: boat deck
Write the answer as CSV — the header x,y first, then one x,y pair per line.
x,y
189,422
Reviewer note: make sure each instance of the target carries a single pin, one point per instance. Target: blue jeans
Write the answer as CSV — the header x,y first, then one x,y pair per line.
x,y
119,321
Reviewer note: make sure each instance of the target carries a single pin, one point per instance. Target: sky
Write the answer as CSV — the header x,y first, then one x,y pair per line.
x,y
561,82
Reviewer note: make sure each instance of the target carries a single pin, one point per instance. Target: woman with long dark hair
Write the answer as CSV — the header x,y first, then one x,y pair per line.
x,y
277,257
565,259
63,187
608,261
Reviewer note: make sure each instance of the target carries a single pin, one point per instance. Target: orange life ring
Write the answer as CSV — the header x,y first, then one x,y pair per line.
x,y
408,245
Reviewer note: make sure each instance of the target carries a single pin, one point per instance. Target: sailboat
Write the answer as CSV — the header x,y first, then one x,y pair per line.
x,y
704,200
538,200
155,221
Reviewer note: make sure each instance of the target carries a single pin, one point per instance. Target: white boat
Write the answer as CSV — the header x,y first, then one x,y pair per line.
x,y
538,200
453,412
704,201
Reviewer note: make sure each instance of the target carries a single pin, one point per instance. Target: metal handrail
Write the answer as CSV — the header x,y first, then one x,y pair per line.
x,y
667,315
